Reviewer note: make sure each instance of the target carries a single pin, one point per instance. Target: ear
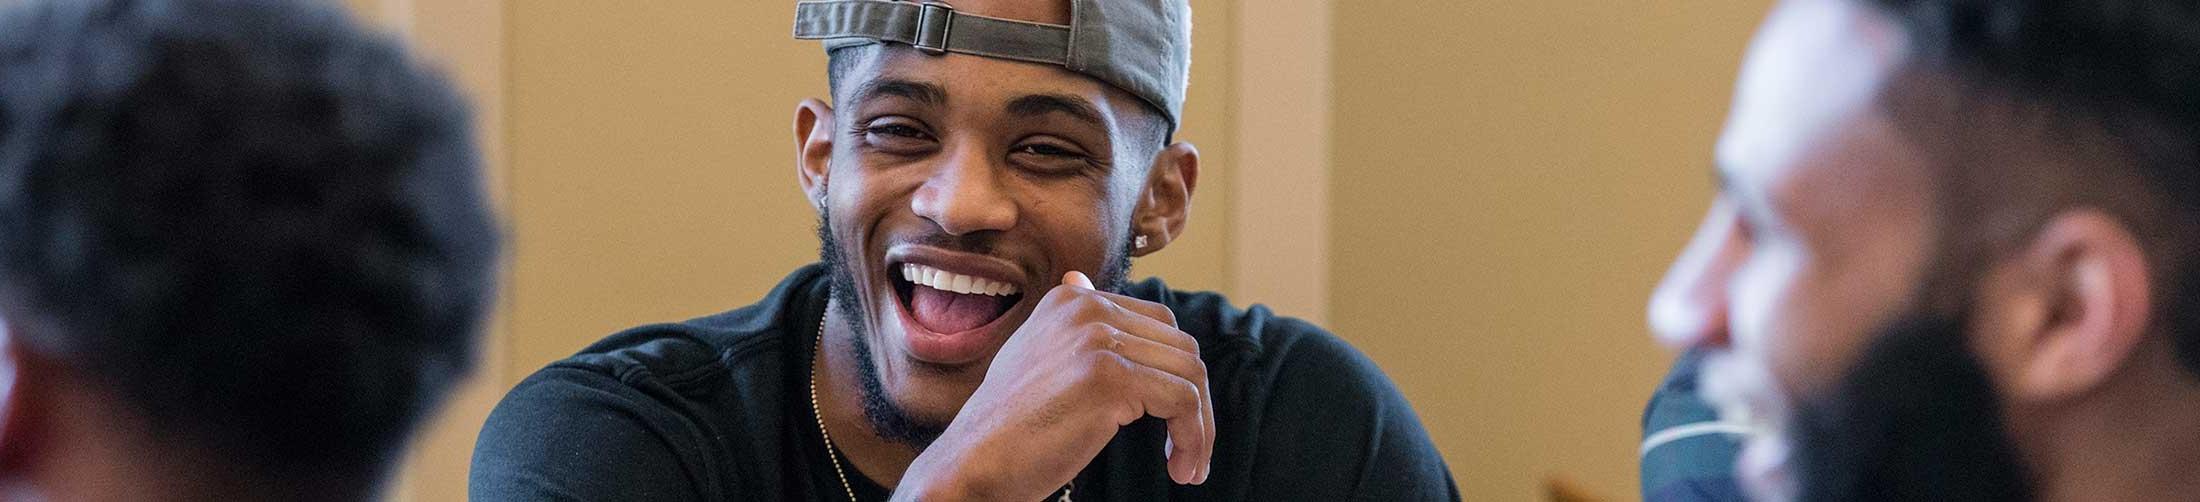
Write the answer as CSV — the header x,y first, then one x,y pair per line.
x,y
2065,313
1167,203
813,140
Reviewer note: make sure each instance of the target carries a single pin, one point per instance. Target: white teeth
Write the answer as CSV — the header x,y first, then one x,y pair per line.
x,y
953,282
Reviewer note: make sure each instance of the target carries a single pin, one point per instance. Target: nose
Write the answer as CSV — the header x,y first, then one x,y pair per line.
x,y
966,194
1690,308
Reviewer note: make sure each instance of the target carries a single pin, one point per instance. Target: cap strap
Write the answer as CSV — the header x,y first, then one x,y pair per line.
x,y
933,28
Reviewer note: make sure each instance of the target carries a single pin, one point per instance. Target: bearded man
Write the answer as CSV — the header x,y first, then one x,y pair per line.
x,y
1951,257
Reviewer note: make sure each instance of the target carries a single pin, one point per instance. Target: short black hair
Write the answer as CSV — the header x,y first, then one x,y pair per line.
x,y
260,225
2128,70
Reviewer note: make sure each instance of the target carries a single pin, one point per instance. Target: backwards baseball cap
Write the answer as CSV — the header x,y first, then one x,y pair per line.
x,y
1141,46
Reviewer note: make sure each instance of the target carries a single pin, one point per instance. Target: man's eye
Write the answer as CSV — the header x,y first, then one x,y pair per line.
x,y
1048,150
896,138
1051,159
897,130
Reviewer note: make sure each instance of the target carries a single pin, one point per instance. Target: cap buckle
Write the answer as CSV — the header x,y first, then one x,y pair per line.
x,y
934,21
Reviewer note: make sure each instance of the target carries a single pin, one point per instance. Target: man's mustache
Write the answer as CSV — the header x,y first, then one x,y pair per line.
x,y
974,243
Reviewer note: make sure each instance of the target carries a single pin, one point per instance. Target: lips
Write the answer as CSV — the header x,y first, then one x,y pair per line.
x,y
952,305
947,302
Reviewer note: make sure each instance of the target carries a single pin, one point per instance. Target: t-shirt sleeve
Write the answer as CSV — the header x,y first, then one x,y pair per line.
x,y
1335,428
572,434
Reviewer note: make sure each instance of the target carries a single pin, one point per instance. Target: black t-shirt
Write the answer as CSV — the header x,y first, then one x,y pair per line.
x,y
717,408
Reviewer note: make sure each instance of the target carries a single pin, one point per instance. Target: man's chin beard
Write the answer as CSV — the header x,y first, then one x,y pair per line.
x,y
888,419
1916,418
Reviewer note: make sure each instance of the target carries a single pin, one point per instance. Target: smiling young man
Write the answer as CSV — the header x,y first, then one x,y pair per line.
x,y
985,175
1952,258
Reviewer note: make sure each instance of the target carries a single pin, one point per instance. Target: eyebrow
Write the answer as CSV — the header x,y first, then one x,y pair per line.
x,y
1073,106
921,92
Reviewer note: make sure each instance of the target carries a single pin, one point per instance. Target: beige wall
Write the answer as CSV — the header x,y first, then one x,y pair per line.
x,y
1501,183
1510,179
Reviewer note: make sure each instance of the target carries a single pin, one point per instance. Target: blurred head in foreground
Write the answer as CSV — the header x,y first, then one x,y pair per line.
x,y
1953,257
244,250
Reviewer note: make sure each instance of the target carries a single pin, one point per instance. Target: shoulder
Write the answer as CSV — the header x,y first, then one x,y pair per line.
x,y
692,358
1280,381
657,403
1220,325
1259,360
1255,337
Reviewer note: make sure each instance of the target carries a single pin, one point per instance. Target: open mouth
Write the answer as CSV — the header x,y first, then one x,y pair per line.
x,y
949,303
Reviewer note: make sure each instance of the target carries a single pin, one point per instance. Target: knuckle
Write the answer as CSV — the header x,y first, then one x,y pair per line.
x,y
1190,343
1105,366
1103,307
1167,316
1098,336
1184,401
1090,308
1063,294
1128,412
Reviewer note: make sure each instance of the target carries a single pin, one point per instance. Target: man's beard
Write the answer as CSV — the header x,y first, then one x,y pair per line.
x,y
887,418
1916,418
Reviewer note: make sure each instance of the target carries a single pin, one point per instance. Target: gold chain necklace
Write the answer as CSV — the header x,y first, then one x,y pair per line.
x,y
817,358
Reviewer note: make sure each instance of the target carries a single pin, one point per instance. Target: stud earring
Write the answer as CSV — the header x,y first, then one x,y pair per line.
x,y
1139,241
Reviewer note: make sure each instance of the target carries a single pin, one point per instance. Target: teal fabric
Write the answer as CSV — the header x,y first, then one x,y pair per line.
x,y
1694,469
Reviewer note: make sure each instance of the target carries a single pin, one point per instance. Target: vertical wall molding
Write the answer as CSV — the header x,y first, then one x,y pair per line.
x,y
1280,236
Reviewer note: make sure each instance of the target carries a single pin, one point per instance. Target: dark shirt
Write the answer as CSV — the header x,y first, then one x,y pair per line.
x,y
717,408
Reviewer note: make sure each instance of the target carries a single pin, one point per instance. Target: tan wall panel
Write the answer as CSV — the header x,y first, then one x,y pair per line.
x,y
652,176
1280,217
1511,178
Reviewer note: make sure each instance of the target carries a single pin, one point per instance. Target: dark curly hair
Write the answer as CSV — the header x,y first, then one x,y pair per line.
x,y
260,225
2127,71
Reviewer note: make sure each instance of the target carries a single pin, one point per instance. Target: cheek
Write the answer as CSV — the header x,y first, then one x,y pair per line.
x,y
1079,222
867,200
1783,323
1074,236
1805,319
863,187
